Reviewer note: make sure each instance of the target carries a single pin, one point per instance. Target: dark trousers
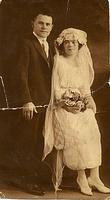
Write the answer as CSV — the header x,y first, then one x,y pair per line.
x,y
21,144
30,142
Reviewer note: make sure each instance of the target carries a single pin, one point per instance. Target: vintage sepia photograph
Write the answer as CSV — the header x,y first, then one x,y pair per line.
x,y
54,99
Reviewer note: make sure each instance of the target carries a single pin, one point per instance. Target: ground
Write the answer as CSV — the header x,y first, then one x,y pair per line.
x,y
66,193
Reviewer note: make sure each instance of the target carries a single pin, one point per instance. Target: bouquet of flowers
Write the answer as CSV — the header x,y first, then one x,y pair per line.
x,y
72,101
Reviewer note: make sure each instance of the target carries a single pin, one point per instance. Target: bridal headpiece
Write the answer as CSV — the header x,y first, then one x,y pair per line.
x,y
72,33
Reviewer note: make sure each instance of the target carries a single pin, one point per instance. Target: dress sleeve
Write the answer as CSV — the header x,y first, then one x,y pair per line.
x,y
87,69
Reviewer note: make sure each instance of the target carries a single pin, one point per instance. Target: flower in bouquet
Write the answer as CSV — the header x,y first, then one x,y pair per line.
x,y
72,101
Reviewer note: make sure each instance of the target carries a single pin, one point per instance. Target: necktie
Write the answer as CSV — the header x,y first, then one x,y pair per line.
x,y
45,47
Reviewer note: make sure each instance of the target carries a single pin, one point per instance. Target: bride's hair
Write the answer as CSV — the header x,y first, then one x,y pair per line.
x,y
60,47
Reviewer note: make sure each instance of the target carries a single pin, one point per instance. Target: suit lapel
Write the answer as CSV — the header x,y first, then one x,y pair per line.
x,y
39,49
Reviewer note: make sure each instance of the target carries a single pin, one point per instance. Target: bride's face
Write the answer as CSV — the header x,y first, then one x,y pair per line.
x,y
71,47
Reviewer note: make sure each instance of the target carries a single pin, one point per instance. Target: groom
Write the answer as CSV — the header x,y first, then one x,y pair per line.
x,y
33,91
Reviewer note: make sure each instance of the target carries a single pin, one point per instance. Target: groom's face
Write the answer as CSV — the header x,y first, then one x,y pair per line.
x,y
42,25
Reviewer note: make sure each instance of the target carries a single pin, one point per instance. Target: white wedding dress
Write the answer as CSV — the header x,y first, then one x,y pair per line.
x,y
78,134
76,137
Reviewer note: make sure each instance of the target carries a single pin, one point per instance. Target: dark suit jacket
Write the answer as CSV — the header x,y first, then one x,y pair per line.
x,y
34,73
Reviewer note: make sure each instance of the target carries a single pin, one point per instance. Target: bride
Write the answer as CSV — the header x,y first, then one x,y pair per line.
x,y
70,124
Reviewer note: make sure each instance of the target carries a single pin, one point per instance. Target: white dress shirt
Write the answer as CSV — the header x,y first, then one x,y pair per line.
x,y
44,43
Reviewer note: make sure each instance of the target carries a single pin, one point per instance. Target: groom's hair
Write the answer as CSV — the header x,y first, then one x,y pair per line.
x,y
43,11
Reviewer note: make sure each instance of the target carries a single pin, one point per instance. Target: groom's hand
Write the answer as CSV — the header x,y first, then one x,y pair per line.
x,y
28,110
